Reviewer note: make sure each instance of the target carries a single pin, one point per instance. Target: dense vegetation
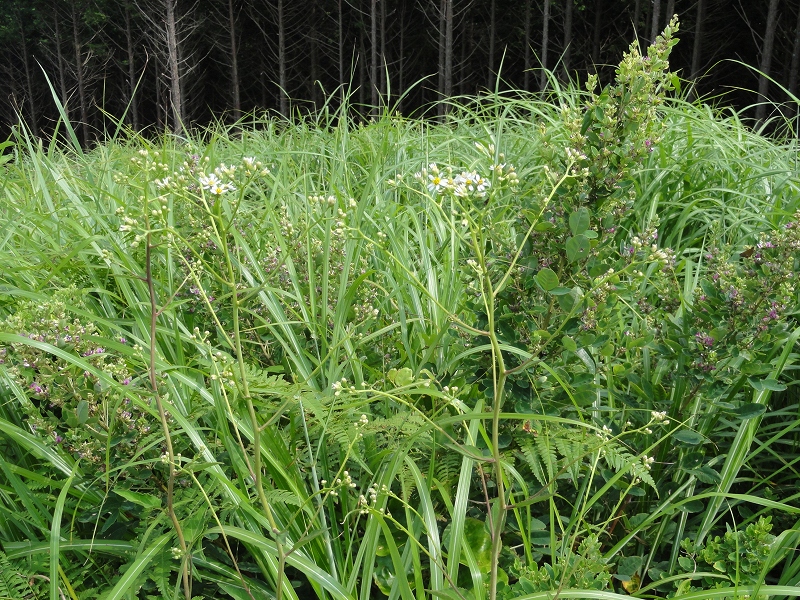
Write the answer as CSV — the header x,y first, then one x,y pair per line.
x,y
167,64
540,348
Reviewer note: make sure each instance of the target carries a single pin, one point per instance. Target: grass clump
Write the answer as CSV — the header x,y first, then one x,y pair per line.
x,y
527,351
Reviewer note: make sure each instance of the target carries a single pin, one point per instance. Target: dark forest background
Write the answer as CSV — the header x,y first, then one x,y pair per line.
x,y
175,63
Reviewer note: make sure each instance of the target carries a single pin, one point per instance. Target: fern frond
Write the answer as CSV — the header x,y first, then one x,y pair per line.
x,y
13,583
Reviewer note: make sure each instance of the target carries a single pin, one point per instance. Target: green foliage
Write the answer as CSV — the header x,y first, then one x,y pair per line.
x,y
585,569
510,355
740,555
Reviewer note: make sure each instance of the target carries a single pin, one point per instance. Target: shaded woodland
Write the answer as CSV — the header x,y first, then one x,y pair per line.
x,y
169,64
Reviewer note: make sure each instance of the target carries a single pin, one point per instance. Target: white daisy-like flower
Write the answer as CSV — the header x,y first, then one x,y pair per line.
x,y
162,183
221,188
435,183
208,182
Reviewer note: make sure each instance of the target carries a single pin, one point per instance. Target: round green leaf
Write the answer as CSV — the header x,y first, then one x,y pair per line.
x,y
577,248
480,542
579,221
547,279
749,410
687,436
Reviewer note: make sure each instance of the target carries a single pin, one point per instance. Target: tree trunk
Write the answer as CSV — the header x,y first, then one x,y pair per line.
x,y
26,63
766,60
637,14
655,23
795,66
80,76
313,66
490,82
173,59
340,40
697,49
362,70
383,62
568,8
545,42
235,87
401,60
62,76
133,109
448,49
670,10
440,65
527,41
598,21
373,62
284,102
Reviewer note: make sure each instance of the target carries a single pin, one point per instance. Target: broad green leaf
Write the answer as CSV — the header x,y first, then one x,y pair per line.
x,y
766,384
145,500
687,436
577,248
82,412
749,410
569,343
560,291
547,279
480,542
401,377
579,221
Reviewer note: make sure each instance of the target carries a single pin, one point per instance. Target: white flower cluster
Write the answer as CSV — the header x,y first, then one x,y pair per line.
x,y
464,185
339,386
660,416
214,185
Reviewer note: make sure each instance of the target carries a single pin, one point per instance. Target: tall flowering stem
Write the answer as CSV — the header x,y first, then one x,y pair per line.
x,y
187,584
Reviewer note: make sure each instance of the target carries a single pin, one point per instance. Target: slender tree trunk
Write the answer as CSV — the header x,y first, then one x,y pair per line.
x,y
62,75
598,22
362,70
401,59
655,24
568,9
766,60
440,66
697,49
448,49
340,40
670,10
526,84
373,62
173,58
262,76
26,63
235,87
80,76
313,66
637,14
282,84
545,42
795,65
383,62
492,35
133,110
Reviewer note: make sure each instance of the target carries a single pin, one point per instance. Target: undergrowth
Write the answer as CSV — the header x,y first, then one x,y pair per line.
x,y
544,347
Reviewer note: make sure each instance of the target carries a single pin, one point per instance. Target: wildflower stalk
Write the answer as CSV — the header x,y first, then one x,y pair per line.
x,y
245,388
499,376
187,589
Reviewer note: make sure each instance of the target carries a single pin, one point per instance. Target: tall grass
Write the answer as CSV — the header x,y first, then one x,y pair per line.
x,y
315,375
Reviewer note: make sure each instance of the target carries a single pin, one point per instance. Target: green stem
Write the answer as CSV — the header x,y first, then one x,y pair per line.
x,y
251,410
187,586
